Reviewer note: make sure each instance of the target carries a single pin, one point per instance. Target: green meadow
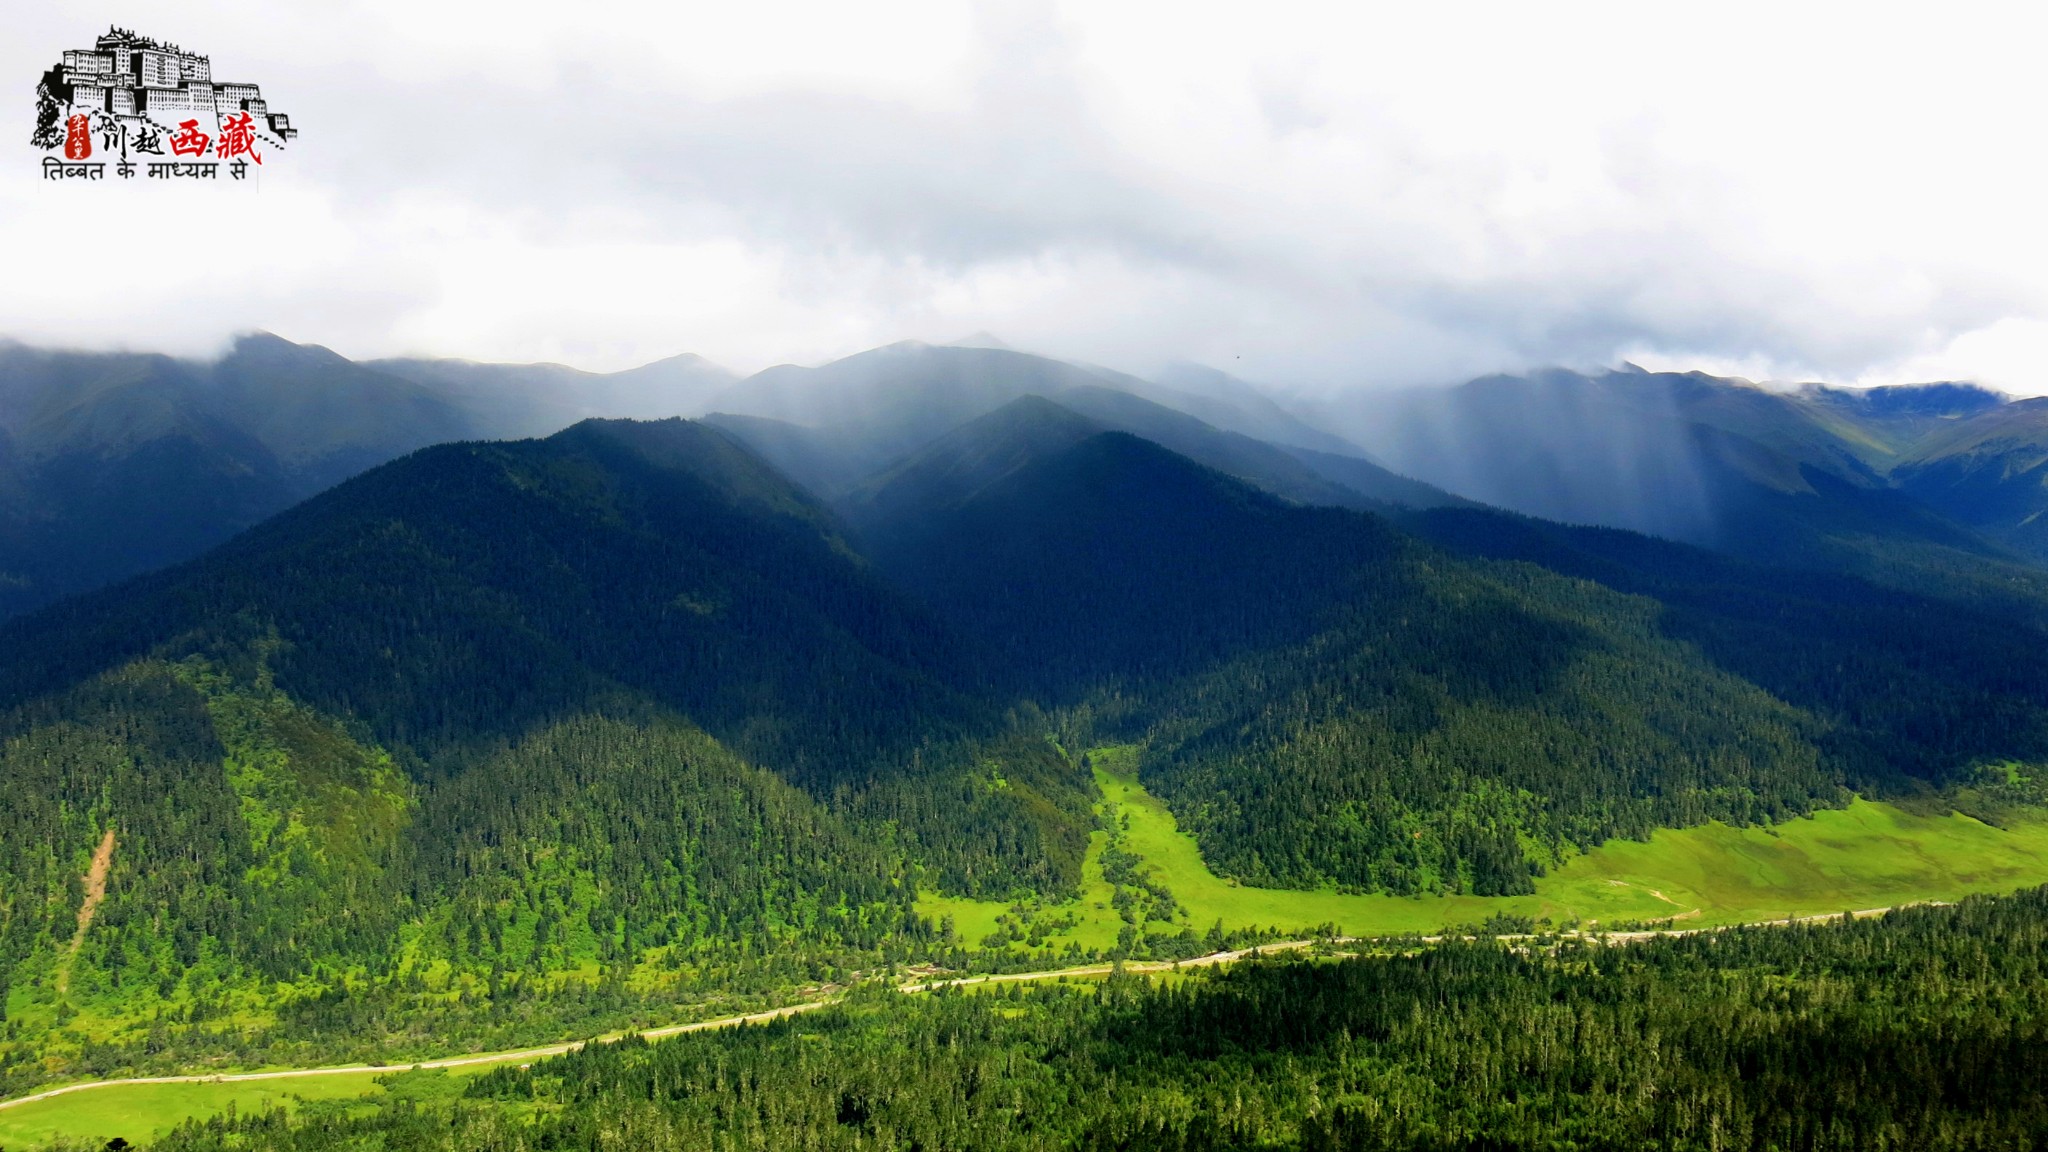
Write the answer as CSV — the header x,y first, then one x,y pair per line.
x,y
1867,855
135,1112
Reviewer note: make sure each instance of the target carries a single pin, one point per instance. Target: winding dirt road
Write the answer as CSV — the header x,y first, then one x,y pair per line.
x,y
523,1055
526,1055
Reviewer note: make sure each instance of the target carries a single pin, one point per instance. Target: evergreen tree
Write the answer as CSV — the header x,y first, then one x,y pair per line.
x,y
47,133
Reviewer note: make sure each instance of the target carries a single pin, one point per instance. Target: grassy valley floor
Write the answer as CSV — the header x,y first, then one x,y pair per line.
x,y
139,1111
1868,855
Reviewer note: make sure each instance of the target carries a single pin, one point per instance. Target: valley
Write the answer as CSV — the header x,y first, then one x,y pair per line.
x,y
993,666
1866,855
188,1108
1024,577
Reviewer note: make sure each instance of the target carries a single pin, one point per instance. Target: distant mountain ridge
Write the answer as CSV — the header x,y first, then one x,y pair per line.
x,y
511,401
119,463
1989,471
853,418
112,464
901,396
1923,486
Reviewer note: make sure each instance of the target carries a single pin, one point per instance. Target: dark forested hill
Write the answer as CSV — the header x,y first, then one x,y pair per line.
x,y
900,500
116,464
868,412
1087,555
1908,688
471,592
113,464
611,679
1325,699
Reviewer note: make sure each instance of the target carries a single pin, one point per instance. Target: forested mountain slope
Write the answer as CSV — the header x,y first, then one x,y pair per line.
x,y
1910,691
113,464
463,599
946,474
629,702
116,464
472,594
846,464
502,711
473,591
280,885
1325,699
868,412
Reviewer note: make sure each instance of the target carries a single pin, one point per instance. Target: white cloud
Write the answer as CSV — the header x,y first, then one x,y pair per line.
x,y
1322,195
2011,355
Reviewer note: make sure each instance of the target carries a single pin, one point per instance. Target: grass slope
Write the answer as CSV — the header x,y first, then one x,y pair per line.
x,y
138,1112
1866,855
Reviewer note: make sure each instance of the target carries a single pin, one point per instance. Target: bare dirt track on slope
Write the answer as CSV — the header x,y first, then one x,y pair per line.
x,y
95,891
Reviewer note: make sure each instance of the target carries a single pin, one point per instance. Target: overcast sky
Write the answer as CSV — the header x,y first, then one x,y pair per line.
x,y
1318,196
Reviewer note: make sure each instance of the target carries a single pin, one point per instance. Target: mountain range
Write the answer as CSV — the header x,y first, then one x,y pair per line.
x,y
420,679
1933,487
